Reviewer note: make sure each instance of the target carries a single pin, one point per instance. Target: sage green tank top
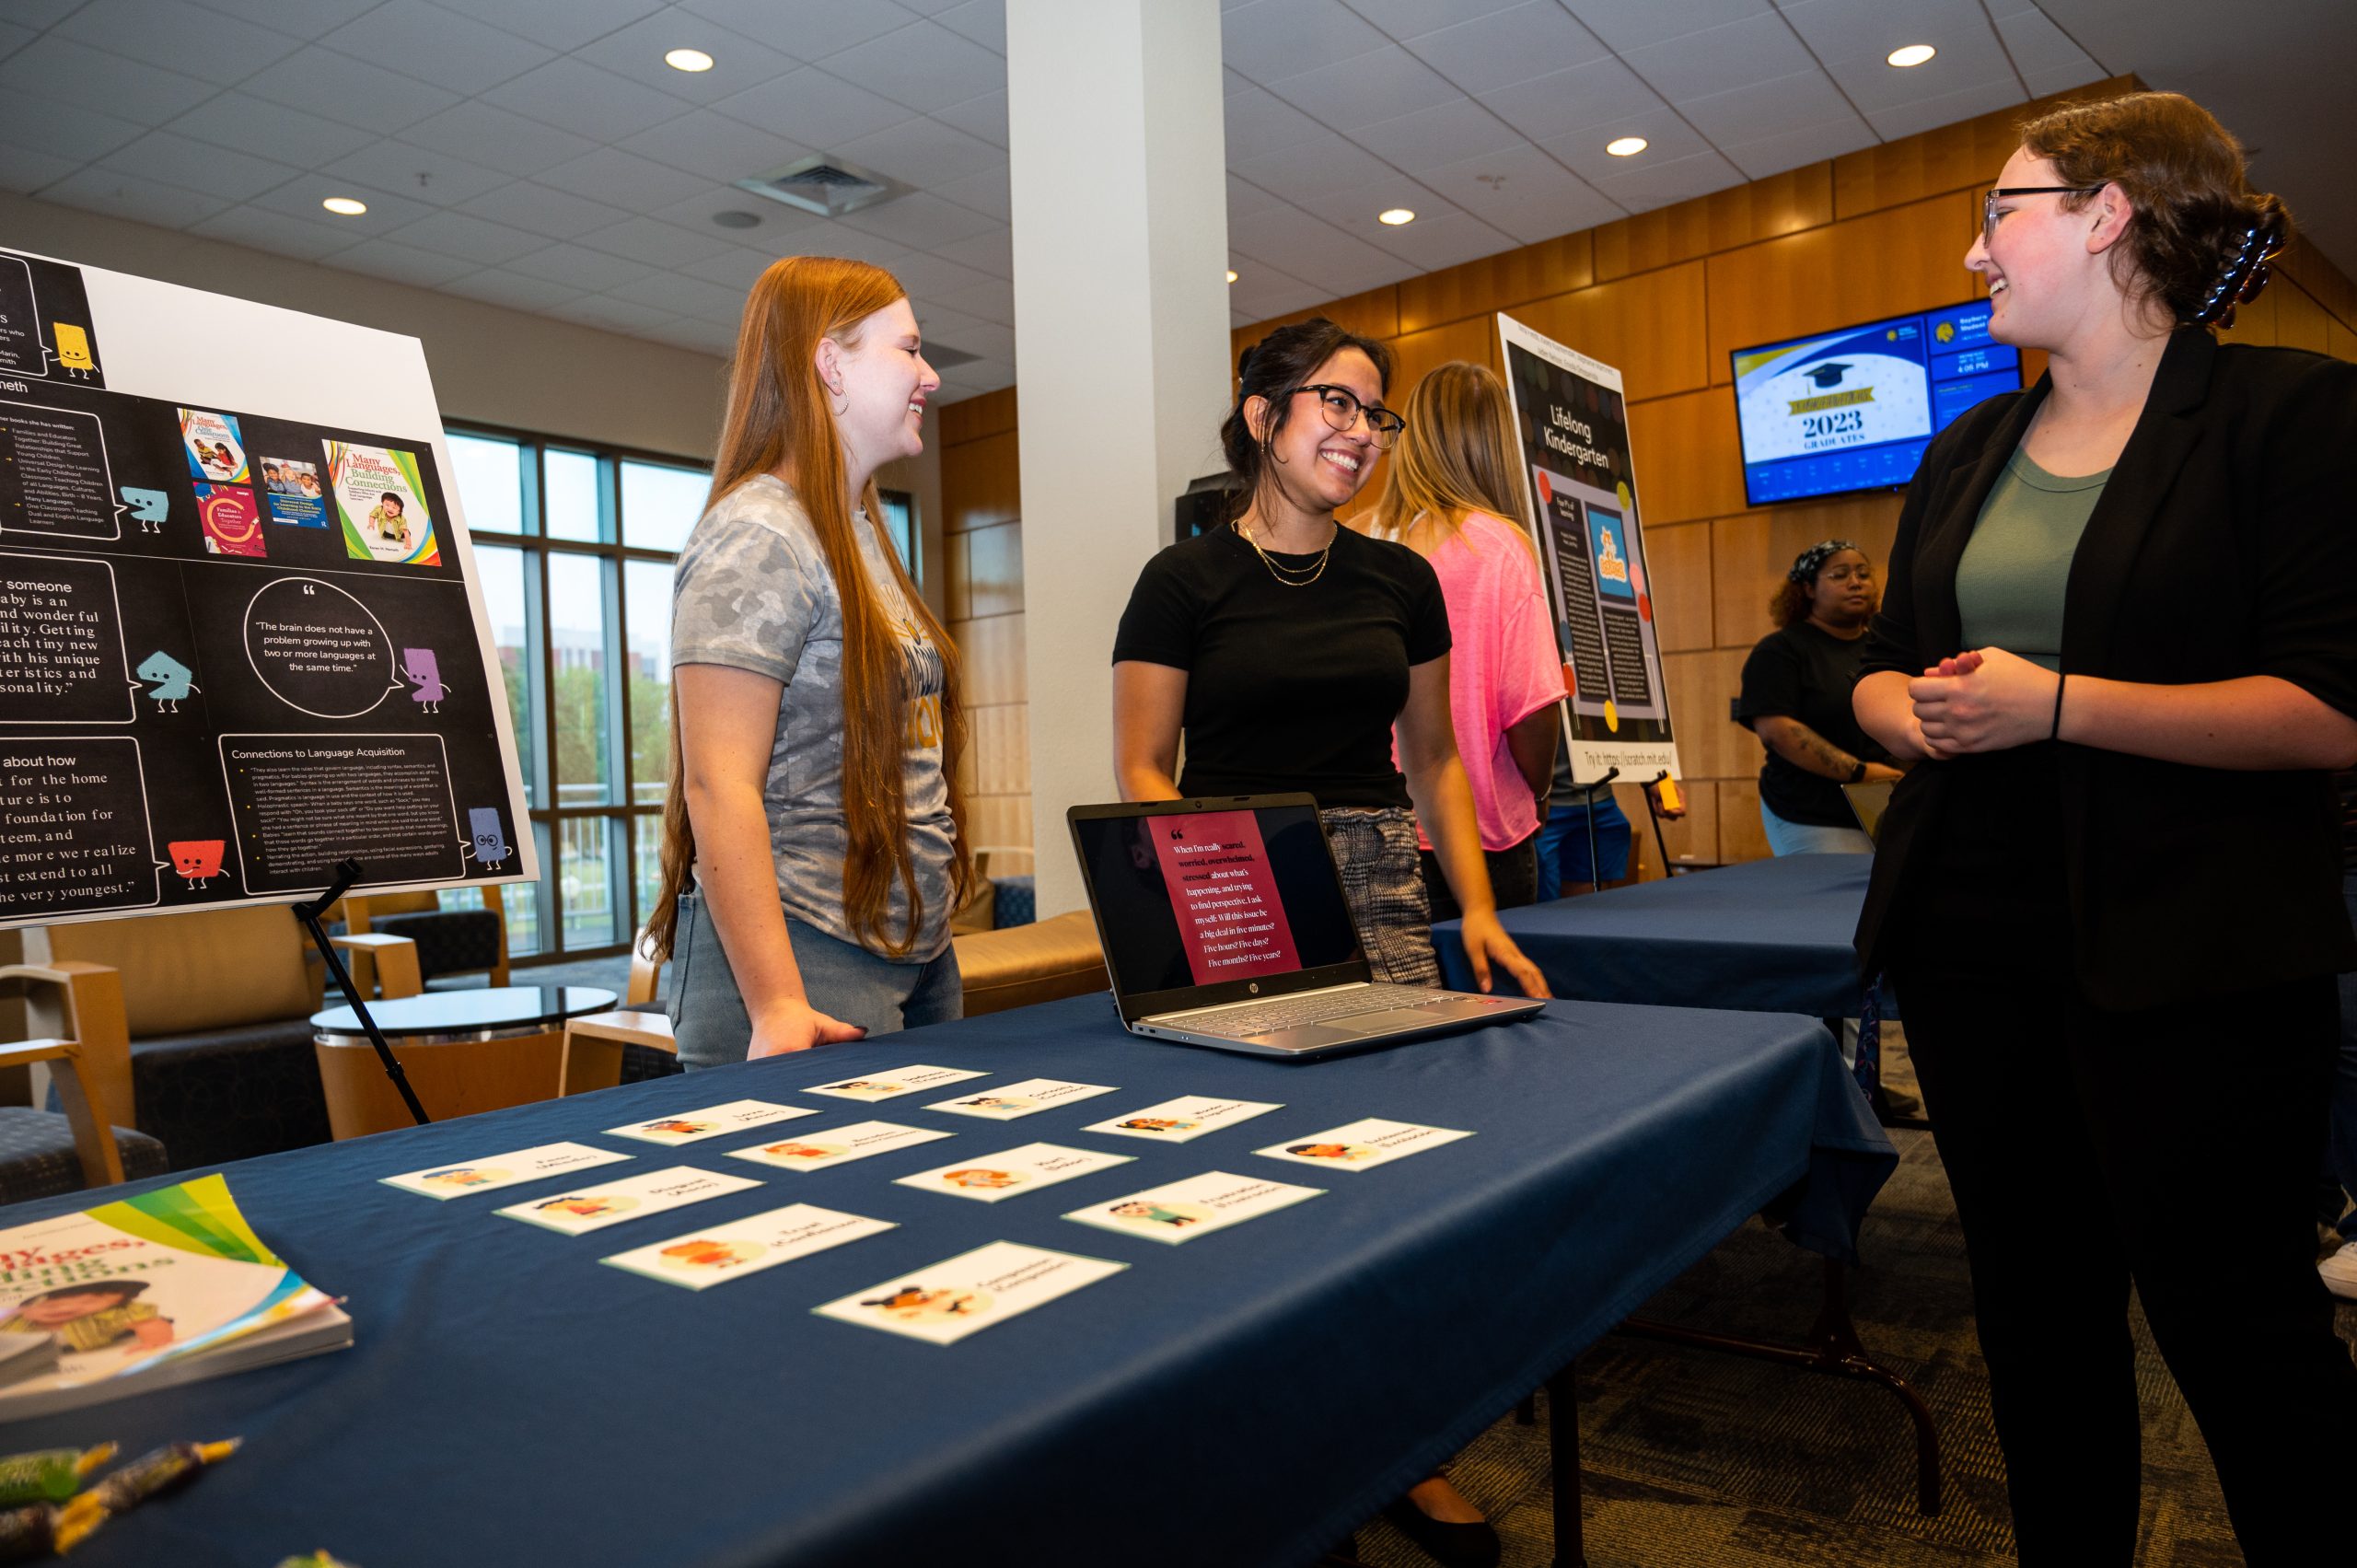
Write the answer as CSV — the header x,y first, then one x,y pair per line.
x,y
2009,587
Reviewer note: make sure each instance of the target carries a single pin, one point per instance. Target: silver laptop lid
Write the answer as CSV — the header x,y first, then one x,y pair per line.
x,y
1203,903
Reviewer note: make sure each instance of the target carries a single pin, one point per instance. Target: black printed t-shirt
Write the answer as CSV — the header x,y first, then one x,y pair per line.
x,y
1288,688
1804,673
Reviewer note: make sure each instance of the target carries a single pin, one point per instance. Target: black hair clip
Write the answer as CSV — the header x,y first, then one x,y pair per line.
x,y
2244,275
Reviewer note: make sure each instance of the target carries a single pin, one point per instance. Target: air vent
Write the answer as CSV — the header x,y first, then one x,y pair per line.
x,y
941,356
826,185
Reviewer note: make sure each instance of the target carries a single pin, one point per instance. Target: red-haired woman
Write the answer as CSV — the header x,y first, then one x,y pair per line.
x,y
2121,630
813,838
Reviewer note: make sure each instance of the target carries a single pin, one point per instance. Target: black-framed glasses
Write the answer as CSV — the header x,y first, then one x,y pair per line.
x,y
1989,203
1342,408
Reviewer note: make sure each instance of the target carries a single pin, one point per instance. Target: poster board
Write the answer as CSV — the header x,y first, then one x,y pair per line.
x,y
241,636
1571,426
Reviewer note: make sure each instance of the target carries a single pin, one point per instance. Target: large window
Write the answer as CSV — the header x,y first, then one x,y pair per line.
x,y
573,545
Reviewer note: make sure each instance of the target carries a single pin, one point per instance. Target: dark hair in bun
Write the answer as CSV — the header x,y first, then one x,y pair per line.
x,y
2202,236
1286,358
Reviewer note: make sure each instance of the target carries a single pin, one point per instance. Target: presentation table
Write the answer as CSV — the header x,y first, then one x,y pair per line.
x,y
1246,1397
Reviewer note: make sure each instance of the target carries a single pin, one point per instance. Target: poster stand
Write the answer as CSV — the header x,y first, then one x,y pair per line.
x,y
1653,809
347,872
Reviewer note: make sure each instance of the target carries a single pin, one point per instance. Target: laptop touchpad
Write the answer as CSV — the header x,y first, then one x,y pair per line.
x,y
1309,1037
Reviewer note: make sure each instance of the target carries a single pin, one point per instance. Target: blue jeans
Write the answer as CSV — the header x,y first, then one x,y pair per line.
x,y
708,1013
2342,1154
1562,847
1800,838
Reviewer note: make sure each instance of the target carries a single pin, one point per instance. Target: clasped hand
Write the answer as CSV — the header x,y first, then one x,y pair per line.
x,y
1984,699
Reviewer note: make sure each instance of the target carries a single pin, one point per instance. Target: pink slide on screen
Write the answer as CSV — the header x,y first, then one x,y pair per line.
x,y
1223,895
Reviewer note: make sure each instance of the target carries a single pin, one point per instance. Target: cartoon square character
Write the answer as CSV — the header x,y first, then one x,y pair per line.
x,y
74,349
419,666
150,507
197,860
491,846
174,681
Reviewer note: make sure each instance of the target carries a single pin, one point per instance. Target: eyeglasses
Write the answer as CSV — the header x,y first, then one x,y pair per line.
x,y
1342,408
1988,206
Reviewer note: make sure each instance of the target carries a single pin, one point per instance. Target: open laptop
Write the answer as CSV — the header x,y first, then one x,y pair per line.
x,y
1224,924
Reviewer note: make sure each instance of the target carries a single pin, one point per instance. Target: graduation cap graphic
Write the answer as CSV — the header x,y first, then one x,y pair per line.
x,y
1829,374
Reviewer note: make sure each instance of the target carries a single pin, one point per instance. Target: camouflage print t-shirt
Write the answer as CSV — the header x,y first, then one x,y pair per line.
x,y
753,592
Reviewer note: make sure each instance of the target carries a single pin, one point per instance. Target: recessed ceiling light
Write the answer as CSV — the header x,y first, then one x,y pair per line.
x,y
1231,274
1627,147
344,206
1395,216
688,60
1913,54
736,218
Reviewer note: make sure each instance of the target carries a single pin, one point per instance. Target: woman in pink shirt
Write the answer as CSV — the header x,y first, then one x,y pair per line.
x,y
1453,494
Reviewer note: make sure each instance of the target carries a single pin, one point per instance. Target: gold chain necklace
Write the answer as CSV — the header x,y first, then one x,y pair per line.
x,y
1277,569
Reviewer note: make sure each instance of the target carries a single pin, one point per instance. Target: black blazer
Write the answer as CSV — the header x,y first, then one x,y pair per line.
x,y
2224,545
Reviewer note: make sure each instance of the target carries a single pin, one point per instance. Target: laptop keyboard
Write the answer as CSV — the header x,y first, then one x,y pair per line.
x,y
1299,1012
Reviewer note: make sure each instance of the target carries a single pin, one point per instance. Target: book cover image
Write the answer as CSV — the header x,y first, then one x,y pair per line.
x,y
232,525
294,492
380,504
216,453
131,1285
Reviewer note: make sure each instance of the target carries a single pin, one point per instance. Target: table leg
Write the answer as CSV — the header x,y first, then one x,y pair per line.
x,y
1563,1463
1832,1348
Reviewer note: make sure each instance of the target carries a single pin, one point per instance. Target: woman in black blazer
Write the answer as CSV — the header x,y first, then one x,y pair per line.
x,y
2120,631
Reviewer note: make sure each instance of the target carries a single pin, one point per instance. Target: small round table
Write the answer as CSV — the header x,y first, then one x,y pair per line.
x,y
462,1051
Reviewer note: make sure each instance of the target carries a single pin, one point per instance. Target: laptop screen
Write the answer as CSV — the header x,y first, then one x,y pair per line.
x,y
1202,897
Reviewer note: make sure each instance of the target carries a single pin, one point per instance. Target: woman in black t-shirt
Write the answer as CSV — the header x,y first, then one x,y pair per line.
x,y
1282,647
1796,698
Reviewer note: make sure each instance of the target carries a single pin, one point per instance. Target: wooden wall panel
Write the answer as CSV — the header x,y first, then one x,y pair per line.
x,y
1650,327
983,485
2326,284
1710,744
1752,553
1695,836
958,590
1914,167
1742,836
992,651
1909,258
2340,341
970,419
993,570
1677,575
1781,204
1417,354
1000,821
1689,464
1375,314
1497,282
1002,749
2300,321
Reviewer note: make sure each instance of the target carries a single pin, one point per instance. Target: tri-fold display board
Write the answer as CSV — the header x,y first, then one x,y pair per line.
x,y
241,636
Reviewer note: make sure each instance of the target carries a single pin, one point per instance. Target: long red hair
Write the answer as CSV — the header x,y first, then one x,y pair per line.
x,y
779,419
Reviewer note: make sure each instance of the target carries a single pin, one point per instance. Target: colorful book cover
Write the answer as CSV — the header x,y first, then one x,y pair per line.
x,y
295,493
380,504
216,453
232,525
131,1285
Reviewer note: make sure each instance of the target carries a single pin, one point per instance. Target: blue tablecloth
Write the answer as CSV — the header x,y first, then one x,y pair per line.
x,y
1244,1398
1763,936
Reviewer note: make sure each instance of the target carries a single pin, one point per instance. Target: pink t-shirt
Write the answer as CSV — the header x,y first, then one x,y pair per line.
x,y
1502,667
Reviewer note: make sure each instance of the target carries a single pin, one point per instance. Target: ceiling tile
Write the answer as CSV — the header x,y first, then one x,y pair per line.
x,y
1353,208
657,243
561,25
1260,122
1789,149
262,229
992,252
984,117
1446,133
814,108
945,326
837,239
498,287
637,50
1672,180
1604,92
13,38
295,18
1905,119
2037,45
1408,19
1442,240
171,159
714,146
704,337
25,171
174,36
1243,196
470,238
541,210
920,65
1270,39
921,221
300,198
736,270
1633,24
1524,193
614,315
2050,79
128,196
1668,138
925,153
991,300
252,124
983,21
574,96
683,296
936,278
1768,107
1306,246
576,267
622,179
60,130
350,92
1367,88
1537,39
1331,162
402,263
987,339
1851,37
57,68
778,221
987,192
1720,60
41,15
417,172
434,44
509,142
1257,297
807,29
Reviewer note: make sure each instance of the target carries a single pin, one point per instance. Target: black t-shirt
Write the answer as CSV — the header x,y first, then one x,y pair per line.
x,y
1802,672
1288,688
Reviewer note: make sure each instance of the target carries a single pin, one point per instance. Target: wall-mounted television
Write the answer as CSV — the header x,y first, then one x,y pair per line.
x,y
1853,408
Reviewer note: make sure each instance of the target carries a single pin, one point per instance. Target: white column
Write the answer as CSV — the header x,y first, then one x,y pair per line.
x,y
1119,162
